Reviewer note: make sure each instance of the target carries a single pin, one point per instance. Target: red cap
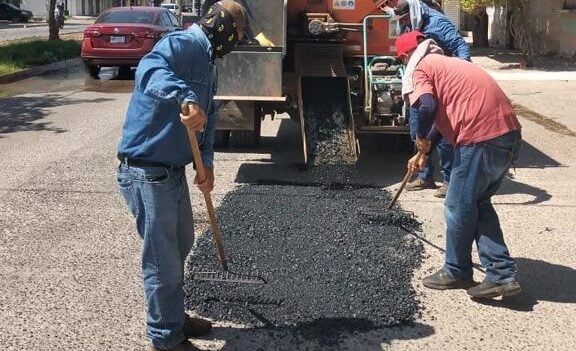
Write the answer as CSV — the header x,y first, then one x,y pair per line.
x,y
408,42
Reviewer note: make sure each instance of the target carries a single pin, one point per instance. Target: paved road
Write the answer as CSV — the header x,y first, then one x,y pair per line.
x,y
14,31
69,258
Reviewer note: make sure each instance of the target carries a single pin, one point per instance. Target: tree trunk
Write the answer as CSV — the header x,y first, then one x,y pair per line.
x,y
52,26
480,28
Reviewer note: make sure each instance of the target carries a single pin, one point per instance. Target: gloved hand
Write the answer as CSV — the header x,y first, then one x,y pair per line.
x,y
417,162
423,145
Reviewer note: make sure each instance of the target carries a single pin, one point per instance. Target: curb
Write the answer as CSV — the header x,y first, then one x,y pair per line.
x,y
39,70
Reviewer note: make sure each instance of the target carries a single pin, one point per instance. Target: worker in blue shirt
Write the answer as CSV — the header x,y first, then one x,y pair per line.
x,y
174,89
426,17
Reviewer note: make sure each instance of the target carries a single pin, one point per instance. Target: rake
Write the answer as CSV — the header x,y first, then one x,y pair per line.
x,y
225,275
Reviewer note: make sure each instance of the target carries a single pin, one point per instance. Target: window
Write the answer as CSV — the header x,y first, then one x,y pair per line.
x,y
126,17
570,4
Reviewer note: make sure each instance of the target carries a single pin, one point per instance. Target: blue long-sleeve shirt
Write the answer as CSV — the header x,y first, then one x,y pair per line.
x,y
438,26
178,69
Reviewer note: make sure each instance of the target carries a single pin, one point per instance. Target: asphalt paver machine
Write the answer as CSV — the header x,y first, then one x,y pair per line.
x,y
328,63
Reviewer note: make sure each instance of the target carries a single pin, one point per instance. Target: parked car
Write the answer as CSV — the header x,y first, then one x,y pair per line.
x,y
121,36
174,8
12,13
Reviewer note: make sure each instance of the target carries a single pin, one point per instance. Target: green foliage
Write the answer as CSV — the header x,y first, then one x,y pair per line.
x,y
18,56
470,6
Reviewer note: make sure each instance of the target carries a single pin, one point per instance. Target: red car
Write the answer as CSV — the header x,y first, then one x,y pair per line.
x,y
121,36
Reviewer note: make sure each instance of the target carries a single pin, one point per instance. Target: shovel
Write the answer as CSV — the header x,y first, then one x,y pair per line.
x,y
225,275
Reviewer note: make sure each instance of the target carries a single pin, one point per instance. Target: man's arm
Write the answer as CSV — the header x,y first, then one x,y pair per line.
x,y
424,111
155,76
443,31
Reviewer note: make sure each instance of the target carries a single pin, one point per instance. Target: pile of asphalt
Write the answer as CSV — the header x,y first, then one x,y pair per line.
x,y
331,264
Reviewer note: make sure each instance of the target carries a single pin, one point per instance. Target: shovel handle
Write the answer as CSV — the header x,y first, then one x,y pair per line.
x,y
207,198
404,181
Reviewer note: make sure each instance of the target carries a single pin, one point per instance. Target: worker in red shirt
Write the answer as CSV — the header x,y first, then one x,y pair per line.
x,y
457,100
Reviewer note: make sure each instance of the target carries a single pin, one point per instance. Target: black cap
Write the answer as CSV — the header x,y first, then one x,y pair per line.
x,y
402,8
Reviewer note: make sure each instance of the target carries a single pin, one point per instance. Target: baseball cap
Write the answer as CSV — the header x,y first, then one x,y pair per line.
x,y
408,42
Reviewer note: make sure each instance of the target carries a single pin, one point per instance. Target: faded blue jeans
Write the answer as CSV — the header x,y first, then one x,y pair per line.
x,y
158,198
477,174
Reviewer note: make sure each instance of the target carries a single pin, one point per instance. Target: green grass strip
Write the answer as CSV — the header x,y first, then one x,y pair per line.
x,y
22,55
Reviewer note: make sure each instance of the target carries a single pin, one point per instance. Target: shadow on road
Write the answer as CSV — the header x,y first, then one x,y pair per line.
x,y
309,337
510,186
24,113
541,281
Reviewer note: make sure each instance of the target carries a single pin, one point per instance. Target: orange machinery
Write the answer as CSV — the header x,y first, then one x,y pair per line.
x,y
328,63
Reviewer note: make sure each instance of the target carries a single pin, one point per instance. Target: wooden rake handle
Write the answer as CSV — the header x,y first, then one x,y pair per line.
x,y
207,198
404,181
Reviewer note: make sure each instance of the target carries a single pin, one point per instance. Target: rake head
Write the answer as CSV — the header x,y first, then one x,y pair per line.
x,y
229,277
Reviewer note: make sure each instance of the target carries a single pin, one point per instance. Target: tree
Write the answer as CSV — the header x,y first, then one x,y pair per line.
x,y
477,8
53,28
519,26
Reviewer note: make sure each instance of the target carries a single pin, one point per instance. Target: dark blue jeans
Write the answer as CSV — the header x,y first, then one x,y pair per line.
x,y
476,176
159,200
445,157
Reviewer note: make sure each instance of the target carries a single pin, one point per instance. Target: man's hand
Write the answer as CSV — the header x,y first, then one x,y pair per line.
x,y
207,184
192,116
417,162
423,145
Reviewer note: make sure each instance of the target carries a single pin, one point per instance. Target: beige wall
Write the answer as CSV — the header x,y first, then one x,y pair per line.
x,y
555,28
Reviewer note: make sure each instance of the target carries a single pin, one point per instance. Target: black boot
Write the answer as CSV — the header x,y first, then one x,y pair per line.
x,y
442,281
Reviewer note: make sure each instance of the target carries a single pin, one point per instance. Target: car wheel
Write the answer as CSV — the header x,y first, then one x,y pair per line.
x,y
92,70
124,71
24,19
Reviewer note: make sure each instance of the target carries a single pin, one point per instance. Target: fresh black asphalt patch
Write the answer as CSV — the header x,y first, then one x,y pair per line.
x,y
330,267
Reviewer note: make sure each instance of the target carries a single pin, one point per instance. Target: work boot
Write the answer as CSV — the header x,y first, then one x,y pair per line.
x,y
196,327
420,184
441,191
488,289
442,281
184,346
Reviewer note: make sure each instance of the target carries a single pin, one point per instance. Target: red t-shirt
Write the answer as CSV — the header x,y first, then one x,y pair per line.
x,y
471,106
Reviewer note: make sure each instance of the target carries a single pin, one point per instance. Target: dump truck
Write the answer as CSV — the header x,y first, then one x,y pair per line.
x,y
329,64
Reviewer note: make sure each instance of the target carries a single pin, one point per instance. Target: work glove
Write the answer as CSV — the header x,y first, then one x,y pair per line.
x,y
423,145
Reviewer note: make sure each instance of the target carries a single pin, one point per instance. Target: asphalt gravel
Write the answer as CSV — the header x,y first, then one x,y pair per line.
x,y
327,121
331,268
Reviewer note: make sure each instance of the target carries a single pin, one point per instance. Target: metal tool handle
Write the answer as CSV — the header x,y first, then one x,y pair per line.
x,y
207,198
404,181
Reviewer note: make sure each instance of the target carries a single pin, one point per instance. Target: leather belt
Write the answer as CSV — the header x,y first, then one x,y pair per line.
x,y
135,162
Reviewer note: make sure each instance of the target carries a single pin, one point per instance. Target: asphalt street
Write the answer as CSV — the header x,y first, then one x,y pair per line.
x,y
69,255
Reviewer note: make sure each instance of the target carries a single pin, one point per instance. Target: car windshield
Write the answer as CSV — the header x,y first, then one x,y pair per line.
x,y
126,17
